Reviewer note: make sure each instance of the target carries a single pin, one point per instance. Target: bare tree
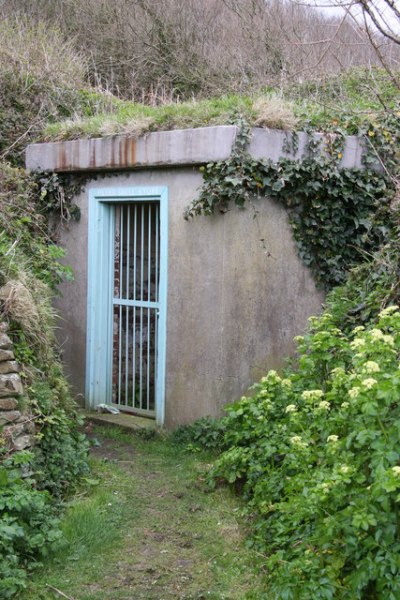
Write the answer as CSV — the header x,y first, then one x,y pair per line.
x,y
155,51
376,23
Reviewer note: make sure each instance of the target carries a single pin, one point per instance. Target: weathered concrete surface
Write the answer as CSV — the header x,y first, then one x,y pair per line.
x,y
234,305
168,148
124,421
270,143
180,147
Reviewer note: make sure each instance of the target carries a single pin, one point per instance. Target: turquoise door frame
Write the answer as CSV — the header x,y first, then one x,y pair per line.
x,y
100,291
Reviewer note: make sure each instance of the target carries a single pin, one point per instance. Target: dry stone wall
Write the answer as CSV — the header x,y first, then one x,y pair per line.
x,y
16,428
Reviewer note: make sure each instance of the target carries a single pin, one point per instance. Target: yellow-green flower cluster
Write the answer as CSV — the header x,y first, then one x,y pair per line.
x,y
286,383
357,343
389,310
297,440
371,367
310,395
369,383
378,335
272,377
324,405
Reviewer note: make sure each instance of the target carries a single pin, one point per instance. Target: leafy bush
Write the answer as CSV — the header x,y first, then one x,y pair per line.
x,y
29,528
60,458
24,243
206,433
318,453
29,272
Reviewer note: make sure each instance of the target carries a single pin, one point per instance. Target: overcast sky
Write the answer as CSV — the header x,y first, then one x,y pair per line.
x,y
331,9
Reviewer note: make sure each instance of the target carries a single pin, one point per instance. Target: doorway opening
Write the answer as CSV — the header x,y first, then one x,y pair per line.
x,y
127,299
135,306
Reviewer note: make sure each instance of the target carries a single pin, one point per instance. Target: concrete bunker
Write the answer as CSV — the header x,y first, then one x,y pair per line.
x,y
167,318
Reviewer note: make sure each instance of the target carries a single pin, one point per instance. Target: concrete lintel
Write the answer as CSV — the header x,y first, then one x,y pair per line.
x,y
172,148
164,148
274,144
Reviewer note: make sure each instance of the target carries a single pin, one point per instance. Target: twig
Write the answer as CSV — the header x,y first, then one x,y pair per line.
x,y
59,592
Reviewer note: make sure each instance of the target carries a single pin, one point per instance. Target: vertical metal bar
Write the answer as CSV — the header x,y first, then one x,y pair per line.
x,y
162,321
121,251
157,235
141,308
115,293
148,298
156,299
128,251
134,308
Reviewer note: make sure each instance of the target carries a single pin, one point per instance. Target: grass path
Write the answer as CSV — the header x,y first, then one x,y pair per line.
x,y
149,529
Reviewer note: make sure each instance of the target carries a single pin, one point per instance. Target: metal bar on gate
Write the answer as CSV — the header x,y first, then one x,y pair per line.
x,y
148,300
115,292
141,309
156,299
134,309
128,240
156,261
137,231
121,251
137,303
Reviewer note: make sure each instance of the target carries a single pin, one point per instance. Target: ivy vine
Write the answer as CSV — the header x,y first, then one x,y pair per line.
x,y
57,193
337,215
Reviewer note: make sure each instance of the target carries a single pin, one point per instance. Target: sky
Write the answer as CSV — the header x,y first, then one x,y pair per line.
x,y
330,9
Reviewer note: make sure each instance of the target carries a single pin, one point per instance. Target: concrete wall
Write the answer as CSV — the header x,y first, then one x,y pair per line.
x,y
233,307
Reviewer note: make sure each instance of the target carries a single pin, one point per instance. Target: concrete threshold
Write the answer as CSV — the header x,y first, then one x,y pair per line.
x,y
122,420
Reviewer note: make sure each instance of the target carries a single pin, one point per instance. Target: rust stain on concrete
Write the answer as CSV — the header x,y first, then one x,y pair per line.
x,y
117,153
92,160
112,159
75,156
61,162
128,152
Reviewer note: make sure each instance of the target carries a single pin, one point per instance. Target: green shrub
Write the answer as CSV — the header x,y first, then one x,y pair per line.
x,y
25,246
29,528
319,456
60,457
29,273
206,433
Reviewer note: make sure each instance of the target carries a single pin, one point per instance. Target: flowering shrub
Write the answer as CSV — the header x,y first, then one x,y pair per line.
x,y
318,452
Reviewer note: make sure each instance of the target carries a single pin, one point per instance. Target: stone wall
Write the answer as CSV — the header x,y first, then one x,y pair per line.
x,y
16,427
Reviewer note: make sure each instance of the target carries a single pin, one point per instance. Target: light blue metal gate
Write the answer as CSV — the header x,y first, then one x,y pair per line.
x,y
127,294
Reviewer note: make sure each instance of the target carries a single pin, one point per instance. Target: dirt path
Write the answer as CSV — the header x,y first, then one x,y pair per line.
x,y
150,529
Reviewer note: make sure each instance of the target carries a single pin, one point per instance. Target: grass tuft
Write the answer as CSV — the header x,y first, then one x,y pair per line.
x,y
274,113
